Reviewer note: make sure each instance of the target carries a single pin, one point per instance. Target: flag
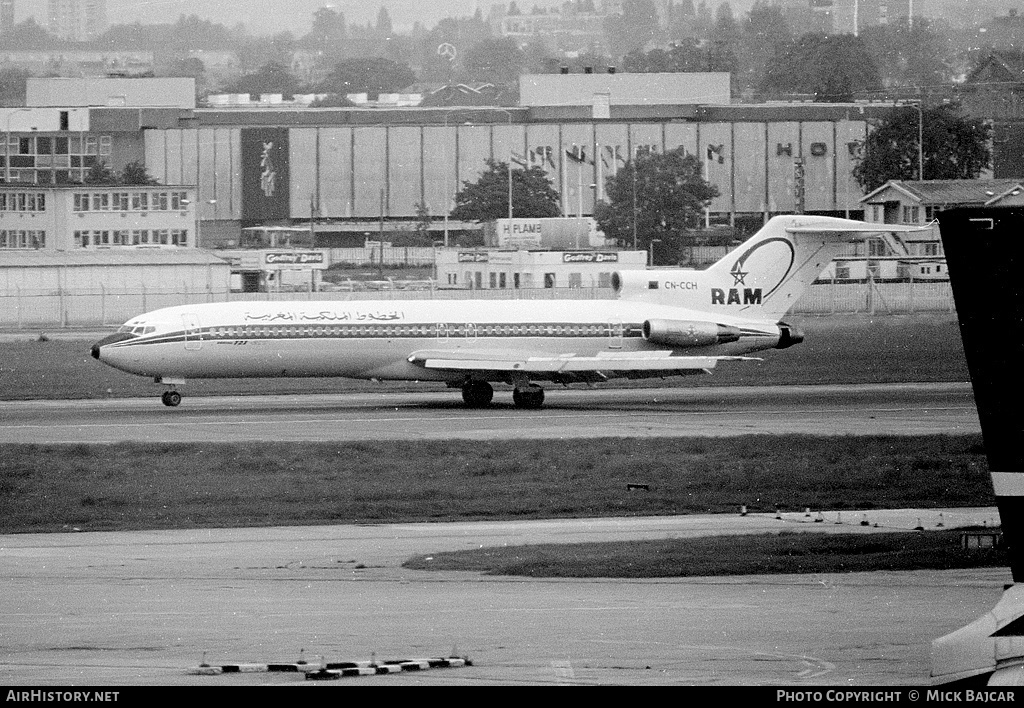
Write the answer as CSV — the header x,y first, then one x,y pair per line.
x,y
578,154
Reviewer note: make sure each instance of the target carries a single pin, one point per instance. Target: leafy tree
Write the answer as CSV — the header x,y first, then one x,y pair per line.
x,y
423,222
765,34
29,35
828,67
100,174
191,32
686,55
656,196
135,173
533,196
384,25
633,29
371,75
271,78
332,100
910,55
496,60
679,20
953,147
326,37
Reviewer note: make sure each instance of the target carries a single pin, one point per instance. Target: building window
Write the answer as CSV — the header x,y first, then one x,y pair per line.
x,y
876,248
105,144
911,214
22,239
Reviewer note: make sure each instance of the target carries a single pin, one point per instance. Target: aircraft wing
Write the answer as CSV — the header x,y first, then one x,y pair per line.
x,y
542,364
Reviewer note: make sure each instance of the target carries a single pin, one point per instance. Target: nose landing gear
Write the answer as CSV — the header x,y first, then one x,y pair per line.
x,y
171,398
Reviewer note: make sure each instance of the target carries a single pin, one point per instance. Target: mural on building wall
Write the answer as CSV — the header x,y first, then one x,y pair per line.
x,y
265,174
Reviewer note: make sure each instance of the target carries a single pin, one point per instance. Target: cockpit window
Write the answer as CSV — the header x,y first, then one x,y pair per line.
x,y
136,329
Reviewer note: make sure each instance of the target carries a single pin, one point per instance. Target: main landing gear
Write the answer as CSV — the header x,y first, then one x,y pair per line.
x,y
478,394
171,398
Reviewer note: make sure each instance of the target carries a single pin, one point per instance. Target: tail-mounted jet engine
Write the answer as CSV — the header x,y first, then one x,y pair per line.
x,y
681,334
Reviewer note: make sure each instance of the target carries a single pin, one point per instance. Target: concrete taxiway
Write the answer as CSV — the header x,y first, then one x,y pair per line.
x,y
896,409
142,608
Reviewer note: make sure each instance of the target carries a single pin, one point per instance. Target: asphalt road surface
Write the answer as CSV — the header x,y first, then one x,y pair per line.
x,y
900,409
144,608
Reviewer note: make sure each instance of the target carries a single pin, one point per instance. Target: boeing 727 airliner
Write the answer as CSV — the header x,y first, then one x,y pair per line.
x,y
663,323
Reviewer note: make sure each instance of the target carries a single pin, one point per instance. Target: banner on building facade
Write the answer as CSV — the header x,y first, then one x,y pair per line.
x,y
265,185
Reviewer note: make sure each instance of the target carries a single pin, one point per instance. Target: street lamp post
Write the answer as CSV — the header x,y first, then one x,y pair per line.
x,y
633,170
7,145
650,247
920,141
508,115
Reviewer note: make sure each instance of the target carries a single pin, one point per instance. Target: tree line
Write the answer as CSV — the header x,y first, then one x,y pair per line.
x,y
766,57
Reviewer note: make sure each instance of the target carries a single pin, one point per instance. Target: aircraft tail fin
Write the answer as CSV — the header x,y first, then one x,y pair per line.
x,y
985,255
763,277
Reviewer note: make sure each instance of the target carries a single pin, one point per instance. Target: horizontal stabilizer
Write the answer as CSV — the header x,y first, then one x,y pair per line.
x,y
851,227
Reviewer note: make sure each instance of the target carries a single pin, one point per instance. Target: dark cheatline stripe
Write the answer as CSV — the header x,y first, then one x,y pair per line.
x,y
320,332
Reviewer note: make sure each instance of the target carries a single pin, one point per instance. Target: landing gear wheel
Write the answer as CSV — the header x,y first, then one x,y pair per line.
x,y
477,394
171,398
532,397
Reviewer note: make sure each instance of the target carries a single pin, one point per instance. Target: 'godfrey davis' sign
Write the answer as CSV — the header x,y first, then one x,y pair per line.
x,y
590,257
301,259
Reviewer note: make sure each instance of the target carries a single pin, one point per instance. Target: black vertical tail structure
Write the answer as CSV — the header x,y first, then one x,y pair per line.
x,y
985,255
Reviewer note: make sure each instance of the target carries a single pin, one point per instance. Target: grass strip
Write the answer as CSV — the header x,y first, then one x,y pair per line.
x,y
152,486
784,553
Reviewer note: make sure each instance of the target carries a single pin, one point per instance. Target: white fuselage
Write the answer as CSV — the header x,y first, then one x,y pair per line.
x,y
375,339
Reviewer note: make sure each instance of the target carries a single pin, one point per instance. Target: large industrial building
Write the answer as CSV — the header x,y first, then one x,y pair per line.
x,y
349,175
348,169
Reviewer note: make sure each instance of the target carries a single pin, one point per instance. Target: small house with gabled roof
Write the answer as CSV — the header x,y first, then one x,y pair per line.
x,y
919,254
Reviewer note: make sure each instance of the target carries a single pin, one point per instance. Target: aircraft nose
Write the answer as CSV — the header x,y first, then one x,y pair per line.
x,y
111,339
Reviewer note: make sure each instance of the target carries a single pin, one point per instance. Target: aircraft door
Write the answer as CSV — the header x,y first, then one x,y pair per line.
x,y
615,334
193,332
442,330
